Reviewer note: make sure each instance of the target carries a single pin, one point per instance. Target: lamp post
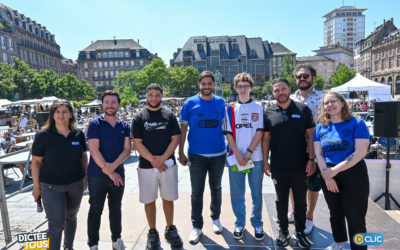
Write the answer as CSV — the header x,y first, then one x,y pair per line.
x,y
25,80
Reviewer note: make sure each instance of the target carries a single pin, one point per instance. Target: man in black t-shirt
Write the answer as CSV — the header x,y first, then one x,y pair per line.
x,y
155,133
288,131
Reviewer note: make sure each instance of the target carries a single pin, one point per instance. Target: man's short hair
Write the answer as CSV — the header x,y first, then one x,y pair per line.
x,y
155,86
206,74
277,80
110,92
305,66
243,77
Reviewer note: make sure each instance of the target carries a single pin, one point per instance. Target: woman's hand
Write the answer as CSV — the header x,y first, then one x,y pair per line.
x,y
241,159
328,173
331,185
36,193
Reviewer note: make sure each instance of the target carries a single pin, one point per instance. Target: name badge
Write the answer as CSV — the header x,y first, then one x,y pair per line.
x,y
296,116
75,143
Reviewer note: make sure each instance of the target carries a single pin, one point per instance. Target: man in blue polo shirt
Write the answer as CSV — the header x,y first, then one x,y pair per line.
x,y
109,145
204,114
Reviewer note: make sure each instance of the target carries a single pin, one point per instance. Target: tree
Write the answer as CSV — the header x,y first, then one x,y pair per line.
x,y
342,75
127,79
258,91
286,71
22,70
267,88
183,80
319,82
155,72
226,90
8,89
70,88
128,96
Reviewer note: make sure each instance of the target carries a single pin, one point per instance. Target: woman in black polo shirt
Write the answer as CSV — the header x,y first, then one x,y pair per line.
x,y
59,165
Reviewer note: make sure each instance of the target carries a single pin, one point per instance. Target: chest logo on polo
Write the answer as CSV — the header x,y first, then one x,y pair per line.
x,y
208,123
75,143
151,126
255,116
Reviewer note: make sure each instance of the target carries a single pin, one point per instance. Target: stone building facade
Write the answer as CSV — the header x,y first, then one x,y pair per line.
x,y
324,66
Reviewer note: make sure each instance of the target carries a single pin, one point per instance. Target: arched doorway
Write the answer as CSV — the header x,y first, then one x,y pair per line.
x,y
383,80
376,79
390,83
398,85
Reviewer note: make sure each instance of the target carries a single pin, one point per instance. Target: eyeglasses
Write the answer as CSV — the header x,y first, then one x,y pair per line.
x,y
285,117
244,87
304,76
327,103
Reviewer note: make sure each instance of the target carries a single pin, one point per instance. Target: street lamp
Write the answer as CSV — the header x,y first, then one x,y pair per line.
x,y
25,80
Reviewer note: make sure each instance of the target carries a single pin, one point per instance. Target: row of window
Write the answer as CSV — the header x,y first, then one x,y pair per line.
x,y
40,31
38,59
389,52
110,54
382,63
103,83
5,45
39,43
112,64
103,74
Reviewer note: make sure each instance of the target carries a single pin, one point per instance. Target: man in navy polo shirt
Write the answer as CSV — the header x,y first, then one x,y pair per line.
x,y
109,145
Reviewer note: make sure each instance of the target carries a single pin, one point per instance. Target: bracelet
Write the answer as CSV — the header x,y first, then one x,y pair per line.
x,y
249,150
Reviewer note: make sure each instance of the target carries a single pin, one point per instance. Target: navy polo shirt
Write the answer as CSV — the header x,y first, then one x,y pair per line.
x,y
111,142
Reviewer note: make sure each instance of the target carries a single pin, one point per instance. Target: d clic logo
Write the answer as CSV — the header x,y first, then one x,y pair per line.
x,y
368,239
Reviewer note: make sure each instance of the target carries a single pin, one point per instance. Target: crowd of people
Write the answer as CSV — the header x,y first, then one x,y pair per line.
x,y
304,142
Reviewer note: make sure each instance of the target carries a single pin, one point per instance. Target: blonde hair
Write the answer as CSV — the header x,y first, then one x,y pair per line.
x,y
324,117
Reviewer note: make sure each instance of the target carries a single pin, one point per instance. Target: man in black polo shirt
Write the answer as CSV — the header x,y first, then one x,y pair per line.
x,y
288,131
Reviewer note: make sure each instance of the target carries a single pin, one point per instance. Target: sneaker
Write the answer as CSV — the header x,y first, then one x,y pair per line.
x,y
335,246
217,227
39,208
282,239
301,239
259,234
238,233
95,247
172,236
118,245
153,240
309,226
194,237
290,217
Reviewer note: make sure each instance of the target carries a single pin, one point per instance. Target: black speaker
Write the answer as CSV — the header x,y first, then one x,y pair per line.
x,y
42,117
387,119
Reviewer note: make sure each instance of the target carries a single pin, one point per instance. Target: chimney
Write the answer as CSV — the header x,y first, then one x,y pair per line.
x,y
115,41
138,41
156,55
384,20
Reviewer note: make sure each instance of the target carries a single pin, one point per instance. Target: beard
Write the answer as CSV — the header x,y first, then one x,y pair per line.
x,y
309,85
110,113
155,106
284,101
203,92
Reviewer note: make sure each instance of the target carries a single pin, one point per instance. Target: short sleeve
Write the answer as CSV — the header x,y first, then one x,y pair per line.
x,y
175,129
184,116
127,130
267,124
316,133
309,118
361,130
136,128
82,140
38,146
93,130
226,124
260,124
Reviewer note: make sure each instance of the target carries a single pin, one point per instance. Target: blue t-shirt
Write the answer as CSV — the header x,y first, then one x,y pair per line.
x,y
338,139
111,143
205,122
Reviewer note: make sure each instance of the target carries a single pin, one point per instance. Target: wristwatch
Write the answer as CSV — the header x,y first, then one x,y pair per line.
x,y
249,150
312,159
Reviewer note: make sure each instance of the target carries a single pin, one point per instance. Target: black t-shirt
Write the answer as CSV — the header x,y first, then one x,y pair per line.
x,y
62,157
155,128
288,144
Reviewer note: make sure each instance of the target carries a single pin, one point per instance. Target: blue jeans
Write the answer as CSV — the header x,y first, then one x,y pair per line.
x,y
198,172
61,204
237,182
101,187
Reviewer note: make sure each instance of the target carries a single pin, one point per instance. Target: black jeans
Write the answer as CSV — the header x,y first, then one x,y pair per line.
x,y
296,179
351,203
61,204
99,188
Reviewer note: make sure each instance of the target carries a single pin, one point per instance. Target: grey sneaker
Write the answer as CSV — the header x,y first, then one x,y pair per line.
x,y
194,237
118,245
335,246
217,227
95,247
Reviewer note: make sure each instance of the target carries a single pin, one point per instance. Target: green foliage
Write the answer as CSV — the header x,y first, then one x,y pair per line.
x,y
155,72
258,91
78,104
286,71
183,80
319,82
267,88
8,89
342,75
226,90
128,96
129,79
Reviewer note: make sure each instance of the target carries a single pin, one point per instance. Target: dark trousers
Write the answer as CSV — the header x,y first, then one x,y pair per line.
x,y
61,204
198,172
296,179
351,203
101,187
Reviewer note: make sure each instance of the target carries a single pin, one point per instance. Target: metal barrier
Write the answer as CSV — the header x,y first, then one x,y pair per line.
x,y
3,198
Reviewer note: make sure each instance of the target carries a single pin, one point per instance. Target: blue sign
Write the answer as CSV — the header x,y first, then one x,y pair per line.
x,y
368,239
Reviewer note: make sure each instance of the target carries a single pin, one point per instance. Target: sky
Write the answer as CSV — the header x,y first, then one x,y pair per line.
x,y
162,26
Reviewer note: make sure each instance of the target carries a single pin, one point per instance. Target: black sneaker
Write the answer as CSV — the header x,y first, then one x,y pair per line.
x,y
259,234
238,233
153,240
282,239
301,239
172,236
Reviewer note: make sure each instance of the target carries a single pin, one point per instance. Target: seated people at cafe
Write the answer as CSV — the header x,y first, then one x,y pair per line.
x,y
8,143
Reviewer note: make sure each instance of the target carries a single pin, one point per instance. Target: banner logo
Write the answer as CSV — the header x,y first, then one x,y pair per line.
x,y
34,240
368,239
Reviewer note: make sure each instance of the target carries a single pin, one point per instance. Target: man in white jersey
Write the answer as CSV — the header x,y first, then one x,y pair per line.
x,y
305,76
243,127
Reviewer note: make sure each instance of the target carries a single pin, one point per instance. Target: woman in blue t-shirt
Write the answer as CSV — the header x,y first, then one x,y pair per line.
x,y
340,144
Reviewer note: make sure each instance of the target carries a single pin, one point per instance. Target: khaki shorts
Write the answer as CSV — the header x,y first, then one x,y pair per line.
x,y
150,182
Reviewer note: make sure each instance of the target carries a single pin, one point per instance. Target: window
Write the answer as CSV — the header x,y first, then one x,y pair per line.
x,y
137,53
141,63
111,64
106,74
95,75
132,63
111,74
383,64
121,54
5,57
94,65
127,63
104,54
11,44
116,64
3,42
86,74
100,64
126,54
121,63
85,65
110,54
390,52
115,54
87,55
98,55
116,72
390,62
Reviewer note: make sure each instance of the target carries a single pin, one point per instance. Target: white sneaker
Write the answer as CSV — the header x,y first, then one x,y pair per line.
x,y
335,246
95,247
217,227
194,237
118,245
290,217
309,226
